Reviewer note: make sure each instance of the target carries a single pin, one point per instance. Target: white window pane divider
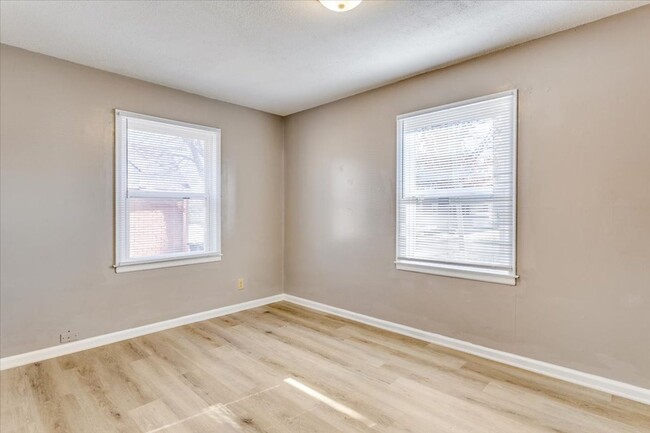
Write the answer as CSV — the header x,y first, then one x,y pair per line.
x,y
166,194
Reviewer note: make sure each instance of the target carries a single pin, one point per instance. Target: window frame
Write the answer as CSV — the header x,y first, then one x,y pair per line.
x,y
456,270
212,195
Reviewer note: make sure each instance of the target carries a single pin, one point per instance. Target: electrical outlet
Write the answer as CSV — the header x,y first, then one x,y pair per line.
x,y
68,336
240,284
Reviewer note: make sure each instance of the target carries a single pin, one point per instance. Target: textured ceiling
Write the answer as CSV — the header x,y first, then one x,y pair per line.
x,y
283,56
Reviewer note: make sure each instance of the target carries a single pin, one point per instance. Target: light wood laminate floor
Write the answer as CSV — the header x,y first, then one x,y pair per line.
x,y
281,369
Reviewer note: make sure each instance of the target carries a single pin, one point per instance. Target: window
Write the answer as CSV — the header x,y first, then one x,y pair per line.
x,y
167,193
456,182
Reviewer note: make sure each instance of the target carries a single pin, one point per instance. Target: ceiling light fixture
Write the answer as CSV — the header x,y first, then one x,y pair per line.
x,y
340,5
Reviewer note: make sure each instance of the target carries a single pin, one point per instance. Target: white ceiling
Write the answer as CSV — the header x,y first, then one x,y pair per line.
x,y
283,56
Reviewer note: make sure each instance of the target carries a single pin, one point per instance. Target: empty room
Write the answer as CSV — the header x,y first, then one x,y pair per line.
x,y
320,216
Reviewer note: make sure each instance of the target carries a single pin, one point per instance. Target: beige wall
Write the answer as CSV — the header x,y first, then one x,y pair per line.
x,y
583,299
57,205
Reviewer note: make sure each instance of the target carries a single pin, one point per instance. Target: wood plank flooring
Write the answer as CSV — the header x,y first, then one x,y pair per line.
x,y
283,368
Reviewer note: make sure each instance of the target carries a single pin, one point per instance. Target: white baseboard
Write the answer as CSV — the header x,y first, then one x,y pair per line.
x,y
114,337
592,381
569,375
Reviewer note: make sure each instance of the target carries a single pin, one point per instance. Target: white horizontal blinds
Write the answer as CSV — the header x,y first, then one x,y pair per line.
x,y
165,157
169,207
456,198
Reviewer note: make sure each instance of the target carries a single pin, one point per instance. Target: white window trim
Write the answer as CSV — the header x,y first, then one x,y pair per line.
x,y
166,263
458,271
121,191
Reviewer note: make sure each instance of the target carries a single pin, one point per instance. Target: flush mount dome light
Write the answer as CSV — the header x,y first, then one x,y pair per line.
x,y
340,5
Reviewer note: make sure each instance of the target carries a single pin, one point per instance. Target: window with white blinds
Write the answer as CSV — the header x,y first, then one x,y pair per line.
x,y
456,189
167,192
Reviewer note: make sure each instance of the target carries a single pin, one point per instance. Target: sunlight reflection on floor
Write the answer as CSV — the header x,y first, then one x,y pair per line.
x,y
218,413
329,402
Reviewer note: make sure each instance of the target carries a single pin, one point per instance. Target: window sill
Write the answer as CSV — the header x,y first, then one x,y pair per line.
x,y
143,266
456,273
